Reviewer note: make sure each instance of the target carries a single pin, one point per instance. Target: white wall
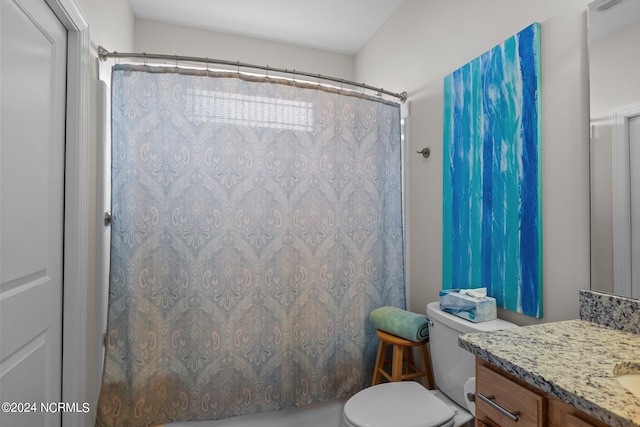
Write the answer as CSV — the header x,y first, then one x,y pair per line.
x,y
426,40
156,37
111,25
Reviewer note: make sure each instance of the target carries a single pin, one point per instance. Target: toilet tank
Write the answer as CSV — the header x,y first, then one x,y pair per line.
x,y
452,365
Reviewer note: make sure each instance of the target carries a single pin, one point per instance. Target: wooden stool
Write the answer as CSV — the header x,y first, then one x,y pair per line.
x,y
400,356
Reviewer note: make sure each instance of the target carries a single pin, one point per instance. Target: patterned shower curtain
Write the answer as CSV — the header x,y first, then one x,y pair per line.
x,y
256,225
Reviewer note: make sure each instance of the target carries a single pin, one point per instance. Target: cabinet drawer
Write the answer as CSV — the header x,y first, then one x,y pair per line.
x,y
573,421
506,402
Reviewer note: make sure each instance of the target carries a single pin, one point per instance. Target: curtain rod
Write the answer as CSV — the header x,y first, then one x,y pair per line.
x,y
104,54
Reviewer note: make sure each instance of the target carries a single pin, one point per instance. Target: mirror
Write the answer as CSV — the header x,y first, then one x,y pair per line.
x,y
614,70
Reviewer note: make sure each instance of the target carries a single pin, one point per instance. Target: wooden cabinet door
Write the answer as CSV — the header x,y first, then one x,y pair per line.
x,y
573,421
507,403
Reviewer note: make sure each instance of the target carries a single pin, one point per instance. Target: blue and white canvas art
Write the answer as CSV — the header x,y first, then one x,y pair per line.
x,y
492,212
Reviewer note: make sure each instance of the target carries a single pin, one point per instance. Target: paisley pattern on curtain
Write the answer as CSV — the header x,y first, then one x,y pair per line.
x,y
256,226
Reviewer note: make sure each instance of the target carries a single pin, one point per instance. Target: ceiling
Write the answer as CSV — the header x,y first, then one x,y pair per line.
x,y
608,16
341,26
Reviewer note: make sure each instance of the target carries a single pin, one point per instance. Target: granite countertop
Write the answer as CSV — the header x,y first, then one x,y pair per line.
x,y
573,360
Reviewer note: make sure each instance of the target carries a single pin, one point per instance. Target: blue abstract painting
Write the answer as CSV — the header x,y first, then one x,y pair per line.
x,y
492,212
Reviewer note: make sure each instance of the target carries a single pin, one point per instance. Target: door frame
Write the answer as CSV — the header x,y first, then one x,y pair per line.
x,y
76,221
622,280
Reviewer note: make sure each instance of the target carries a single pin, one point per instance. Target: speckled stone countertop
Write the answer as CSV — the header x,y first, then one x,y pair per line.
x,y
574,360
609,310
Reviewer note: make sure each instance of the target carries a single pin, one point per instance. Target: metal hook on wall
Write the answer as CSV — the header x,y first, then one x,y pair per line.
x,y
426,152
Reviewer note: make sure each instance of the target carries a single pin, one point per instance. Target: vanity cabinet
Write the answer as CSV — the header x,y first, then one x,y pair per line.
x,y
506,402
503,400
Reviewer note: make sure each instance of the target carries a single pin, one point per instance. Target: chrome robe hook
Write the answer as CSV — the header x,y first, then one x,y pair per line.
x,y
426,152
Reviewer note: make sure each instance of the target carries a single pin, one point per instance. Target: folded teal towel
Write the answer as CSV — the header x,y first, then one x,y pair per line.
x,y
399,322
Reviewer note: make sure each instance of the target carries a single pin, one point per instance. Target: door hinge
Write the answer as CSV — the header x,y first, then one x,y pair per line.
x,y
108,218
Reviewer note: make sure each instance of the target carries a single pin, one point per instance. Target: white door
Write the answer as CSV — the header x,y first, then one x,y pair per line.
x,y
32,152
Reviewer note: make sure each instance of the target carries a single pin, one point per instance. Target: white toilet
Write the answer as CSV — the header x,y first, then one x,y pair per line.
x,y
409,404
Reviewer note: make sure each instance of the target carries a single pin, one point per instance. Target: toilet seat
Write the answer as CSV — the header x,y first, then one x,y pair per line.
x,y
398,404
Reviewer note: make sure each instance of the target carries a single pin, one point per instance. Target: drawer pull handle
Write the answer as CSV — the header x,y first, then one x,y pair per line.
x,y
513,416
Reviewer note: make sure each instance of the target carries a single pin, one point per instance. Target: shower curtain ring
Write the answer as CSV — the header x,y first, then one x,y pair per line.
x,y
144,59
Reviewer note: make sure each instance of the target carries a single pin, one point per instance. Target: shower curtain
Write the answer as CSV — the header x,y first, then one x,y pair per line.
x,y
256,225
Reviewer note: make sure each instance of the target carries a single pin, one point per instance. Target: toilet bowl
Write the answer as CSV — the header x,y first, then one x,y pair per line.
x,y
409,404
400,404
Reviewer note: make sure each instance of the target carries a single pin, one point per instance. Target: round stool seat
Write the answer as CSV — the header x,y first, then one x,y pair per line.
x,y
397,404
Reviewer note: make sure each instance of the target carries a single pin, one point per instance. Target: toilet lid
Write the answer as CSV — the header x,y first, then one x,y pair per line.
x,y
400,404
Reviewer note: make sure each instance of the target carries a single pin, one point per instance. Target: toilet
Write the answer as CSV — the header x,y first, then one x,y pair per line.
x,y
408,403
